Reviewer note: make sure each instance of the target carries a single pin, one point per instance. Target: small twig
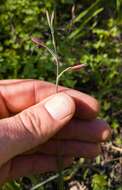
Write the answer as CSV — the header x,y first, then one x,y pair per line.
x,y
116,148
45,182
113,147
117,113
112,160
73,12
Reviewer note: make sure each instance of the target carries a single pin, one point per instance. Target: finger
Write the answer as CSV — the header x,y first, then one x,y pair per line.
x,y
91,131
12,81
31,164
69,148
34,125
87,107
16,97
4,112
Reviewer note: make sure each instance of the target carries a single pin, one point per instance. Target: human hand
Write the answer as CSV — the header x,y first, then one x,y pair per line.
x,y
31,131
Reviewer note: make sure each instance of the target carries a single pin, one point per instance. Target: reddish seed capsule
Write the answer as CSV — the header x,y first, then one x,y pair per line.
x,y
77,67
38,41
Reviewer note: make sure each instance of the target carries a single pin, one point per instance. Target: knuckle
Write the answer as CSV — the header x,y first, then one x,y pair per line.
x,y
30,122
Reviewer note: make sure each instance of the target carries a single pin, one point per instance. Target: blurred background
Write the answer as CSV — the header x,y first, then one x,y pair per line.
x,y
86,31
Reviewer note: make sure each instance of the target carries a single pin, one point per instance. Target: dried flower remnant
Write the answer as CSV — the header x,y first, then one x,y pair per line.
x,y
41,44
77,67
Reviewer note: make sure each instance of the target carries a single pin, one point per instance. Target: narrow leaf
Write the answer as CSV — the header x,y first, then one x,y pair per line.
x,y
48,18
52,18
85,12
84,22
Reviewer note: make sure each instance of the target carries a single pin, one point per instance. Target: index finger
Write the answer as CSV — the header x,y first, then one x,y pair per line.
x,y
18,95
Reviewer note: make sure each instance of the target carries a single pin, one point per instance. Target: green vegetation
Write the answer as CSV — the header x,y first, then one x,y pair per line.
x,y
86,32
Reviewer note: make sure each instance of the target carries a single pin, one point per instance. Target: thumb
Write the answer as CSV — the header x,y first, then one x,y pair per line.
x,y
34,125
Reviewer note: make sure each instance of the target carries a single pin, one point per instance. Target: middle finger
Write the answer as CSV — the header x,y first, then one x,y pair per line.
x,y
90,131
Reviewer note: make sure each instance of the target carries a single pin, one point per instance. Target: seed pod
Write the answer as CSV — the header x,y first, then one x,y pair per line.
x,y
77,67
38,41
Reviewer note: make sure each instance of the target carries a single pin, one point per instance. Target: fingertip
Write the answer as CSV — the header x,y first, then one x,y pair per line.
x,y
106,133
60,106
103,130
95,108
88,109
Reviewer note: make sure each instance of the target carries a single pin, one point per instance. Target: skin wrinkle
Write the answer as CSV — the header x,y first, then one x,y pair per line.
x,y
36,125
5,108
5,172
23,124
33,122
43,128
47,129
4,92
10,169
8,135
46,87
16,134
32,135
34,92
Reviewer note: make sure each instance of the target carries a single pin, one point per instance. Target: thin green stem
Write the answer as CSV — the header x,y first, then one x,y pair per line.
x,y
51,21
49,180
59,76
52,53
67,69
53,40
